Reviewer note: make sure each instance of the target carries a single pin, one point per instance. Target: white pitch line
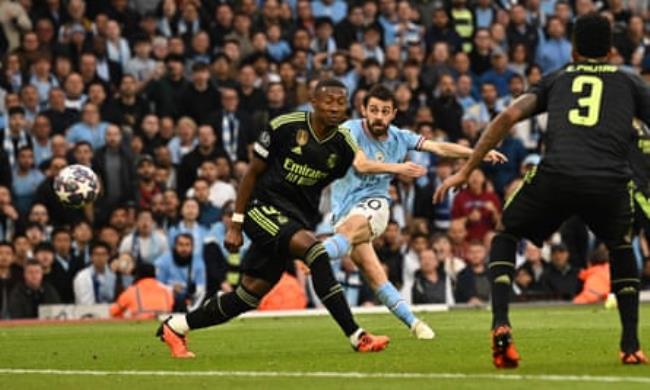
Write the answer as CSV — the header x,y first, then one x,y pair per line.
x,y
323,374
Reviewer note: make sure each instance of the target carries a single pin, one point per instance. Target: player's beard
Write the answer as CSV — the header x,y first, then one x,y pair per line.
x,y
377,128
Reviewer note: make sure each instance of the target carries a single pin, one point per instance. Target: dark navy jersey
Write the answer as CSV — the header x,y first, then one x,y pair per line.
x,y
590,108
300,165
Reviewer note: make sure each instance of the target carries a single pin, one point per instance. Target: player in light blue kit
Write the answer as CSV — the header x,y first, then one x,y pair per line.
x,y
360,203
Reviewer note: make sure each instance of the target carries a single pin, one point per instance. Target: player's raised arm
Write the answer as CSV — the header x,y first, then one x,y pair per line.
x,y
364,165
451,150
522,108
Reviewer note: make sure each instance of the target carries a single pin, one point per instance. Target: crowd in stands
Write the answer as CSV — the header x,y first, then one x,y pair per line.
x,y
164,98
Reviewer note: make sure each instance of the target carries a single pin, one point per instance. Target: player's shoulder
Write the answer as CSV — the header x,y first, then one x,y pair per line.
x,y
345,135
353,126
288,119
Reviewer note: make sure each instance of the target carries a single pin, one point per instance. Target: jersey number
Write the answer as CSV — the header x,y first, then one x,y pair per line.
x,y
589,106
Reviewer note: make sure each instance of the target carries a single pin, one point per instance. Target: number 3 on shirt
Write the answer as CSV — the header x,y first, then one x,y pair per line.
x,y
589,106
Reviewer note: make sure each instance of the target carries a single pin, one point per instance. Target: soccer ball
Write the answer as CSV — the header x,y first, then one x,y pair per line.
x,y
76,186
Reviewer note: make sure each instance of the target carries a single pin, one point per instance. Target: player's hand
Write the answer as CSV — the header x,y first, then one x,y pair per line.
x,y
411,169
495,157
452,182
225,287
234,238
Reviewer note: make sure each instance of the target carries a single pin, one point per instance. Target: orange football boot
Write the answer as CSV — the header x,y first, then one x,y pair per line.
x,y
177,343
504,353
371,343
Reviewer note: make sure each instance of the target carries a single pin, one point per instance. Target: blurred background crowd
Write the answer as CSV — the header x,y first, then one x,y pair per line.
x,y
164,98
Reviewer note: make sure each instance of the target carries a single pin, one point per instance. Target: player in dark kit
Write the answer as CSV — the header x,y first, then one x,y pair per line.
x,y
277,206
584,172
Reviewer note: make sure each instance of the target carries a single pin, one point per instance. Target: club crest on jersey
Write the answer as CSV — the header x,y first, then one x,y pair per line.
x,y
302,137
379,156
331,160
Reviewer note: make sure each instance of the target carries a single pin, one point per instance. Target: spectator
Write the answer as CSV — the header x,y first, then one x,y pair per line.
x,y
447,112
189,224
141,65
114,166
183,271
432,285
74,92
26,179
14,21
554,52
480,54
419,243
463,21
60,116
145,243
208,213
205,150
15,135
485,13
595,279
184,141
166,92
451,264
441,30
560,279
10,276
389,252
130,107
65,265
251,98
41,142
146,298
200,98
33,291
95,283
499,75
473,286
146,186
90,129
520,31
480,209
350,29
232,126
536,267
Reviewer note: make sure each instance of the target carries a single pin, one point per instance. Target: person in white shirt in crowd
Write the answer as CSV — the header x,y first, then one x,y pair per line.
x,y
95,283
145,243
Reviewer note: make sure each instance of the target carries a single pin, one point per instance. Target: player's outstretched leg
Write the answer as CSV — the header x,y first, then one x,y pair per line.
x,y
502,269
330,292
625,284
366,259
215,310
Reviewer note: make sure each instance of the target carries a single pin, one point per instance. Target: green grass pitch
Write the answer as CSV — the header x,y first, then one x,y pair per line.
x,y
562,347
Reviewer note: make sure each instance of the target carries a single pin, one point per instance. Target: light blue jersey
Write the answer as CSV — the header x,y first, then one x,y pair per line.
x,y
353,187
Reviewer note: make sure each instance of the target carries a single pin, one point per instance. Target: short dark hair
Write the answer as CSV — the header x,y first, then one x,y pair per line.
x,y
184,235
330,83
200,67
380,92
592,36
60,230
99,244
43,247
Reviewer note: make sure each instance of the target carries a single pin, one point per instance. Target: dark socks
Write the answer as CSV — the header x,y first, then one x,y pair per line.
x,y
502,270
221,308
625,284
328,289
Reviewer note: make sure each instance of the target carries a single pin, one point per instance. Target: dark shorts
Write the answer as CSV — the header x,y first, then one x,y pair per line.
x,y
545,201
270,232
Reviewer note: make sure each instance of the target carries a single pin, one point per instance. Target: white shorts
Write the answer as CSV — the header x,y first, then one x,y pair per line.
x,y
376,210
